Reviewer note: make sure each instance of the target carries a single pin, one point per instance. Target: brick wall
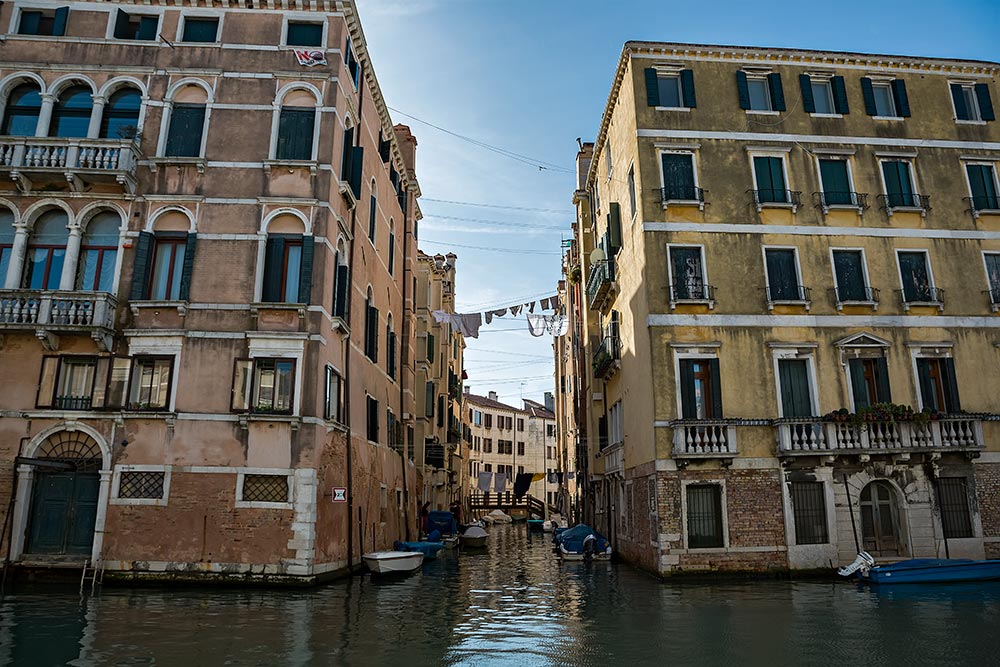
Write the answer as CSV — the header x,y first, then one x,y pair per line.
x,y
988,497
637,545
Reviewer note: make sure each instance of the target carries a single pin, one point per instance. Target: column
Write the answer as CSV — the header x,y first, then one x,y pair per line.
x,y
67,281
96,115
16,266
45,115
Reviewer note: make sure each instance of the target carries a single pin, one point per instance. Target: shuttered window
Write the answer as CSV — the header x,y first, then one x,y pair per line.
x,y
672,90
304,34
916,278
938,384
187,124
953,497
429,392
701,389
809,511
869,382
848,265
770,176
687,273
704,516
201,29
782,277
373,419
837,190
678,176
295,133
287,268
983,185
371,330
992,275
169,255
135,26
331,395
340,292
43,22
898,183
796,395
390,353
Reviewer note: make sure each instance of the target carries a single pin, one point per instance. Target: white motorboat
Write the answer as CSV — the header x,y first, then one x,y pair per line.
x,y
568,555
474,537
388,562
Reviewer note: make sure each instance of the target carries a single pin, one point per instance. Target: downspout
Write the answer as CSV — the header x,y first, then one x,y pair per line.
x,y
8,521
405,330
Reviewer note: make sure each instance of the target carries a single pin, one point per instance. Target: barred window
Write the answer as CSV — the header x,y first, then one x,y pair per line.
x,y
265,488
704,516
809,510
141,484
953,497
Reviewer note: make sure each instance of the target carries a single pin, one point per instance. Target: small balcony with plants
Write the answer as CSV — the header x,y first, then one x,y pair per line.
x,y
607,357
600,283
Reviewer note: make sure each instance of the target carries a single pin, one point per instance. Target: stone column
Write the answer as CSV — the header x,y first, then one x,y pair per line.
x,y
16,266
67,281
96,115
45,115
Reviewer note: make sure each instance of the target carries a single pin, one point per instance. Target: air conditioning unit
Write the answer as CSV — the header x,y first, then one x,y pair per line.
x,y
407,417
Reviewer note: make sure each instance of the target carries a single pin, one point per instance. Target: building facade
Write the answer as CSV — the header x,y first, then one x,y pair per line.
x,y
207,254
792,263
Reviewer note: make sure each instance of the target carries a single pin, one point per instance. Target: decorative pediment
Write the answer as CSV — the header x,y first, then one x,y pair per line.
x,y
862,339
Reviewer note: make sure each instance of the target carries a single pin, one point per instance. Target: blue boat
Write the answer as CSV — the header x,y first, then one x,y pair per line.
x,y
442,521
536,525
922,570
428,549
581,542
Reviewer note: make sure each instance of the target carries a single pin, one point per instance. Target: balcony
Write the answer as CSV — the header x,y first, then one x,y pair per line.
x,y
600,283
614,458
687,293
704,438
905,202
983,204
434,455
50,313
812,436
855,296
80,162
682,195
922,296
776,199
788,295
607,356
829,201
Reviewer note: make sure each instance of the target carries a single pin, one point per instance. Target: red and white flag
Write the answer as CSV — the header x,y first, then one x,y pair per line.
x,y
310,57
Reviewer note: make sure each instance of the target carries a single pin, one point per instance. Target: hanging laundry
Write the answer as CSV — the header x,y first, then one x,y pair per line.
x,y
483,483
536,325
489,317
500,482
467,324
522,483
570,475
559,325
537,477
551,479
531,306
544,304
556,325
441,316
515,310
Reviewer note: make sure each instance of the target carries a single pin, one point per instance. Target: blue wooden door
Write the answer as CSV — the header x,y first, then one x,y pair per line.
x,y
63,511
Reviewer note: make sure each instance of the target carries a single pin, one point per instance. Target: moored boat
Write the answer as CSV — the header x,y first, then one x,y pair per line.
x,y
536,525
922,570
474,537
393,562
581,542
428,549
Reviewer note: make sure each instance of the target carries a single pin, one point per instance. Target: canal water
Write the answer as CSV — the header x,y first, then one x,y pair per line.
x,y
513,605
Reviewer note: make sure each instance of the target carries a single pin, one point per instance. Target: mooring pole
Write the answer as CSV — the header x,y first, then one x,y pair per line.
x,y
850,510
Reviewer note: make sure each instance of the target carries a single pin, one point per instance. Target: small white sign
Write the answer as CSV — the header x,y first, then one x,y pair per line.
x,y
310,57
339,495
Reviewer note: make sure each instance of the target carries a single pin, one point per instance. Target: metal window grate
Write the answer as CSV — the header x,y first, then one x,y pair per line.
x,y
265,488
704,516
954,500
141,484
809,510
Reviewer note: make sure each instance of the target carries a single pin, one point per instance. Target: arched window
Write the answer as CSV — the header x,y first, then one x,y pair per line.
x,y
187,122
71,113
372,212
164,260
6,241
20,118
392,247
46,251
121,115
95,271
341,282
390,348
296,122
371,327
288,260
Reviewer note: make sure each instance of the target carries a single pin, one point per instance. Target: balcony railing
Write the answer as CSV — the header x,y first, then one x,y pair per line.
x,y
994,295
51,312
606,356
682,194
846,296
78,161
602,274
779,198
692,293
923,296
788,294
434,455
983,204
614,458
847,199
902,201
811,436
704,438
73,402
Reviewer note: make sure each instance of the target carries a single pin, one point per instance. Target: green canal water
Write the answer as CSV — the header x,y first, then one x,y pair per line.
x,y
514,605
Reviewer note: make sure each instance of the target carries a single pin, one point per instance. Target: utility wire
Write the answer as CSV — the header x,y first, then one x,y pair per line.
x,y
511,208
514,300
502,223
479,247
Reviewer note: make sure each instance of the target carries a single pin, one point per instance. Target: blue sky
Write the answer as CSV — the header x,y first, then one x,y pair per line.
x,y
530,76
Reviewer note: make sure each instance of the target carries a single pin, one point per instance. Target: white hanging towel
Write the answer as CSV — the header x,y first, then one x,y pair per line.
x,y
469,324
559,325
483,483
536,325
500,482
441,316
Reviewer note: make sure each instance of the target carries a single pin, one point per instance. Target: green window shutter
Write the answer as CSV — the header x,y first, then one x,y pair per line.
x,y
850,275
121,24
59,22
770,179
682,260
713,366
840,103
678,176
859,388
187,123
295,133
615,227
274,258
29,23
430,348
390,354
902,101
357,164
897,183
808,103
188,268
306,269
916,281
687,89
983,186
869,96
385,150
743,89
985,103
374,333
652,88
688,407
781,277
836,185
961,110
882,380
795,396
777,93
952,404
928,388
140,269
340,304
147,28
345,159
762,168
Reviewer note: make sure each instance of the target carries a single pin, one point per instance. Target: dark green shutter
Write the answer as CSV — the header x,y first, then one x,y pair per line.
x,y
898,187
187,122
687,89
795,398
961,110
859,388
306,269
59,22
882,380
840,104
185,291
384,148
686,287
743,89
147,28
808,103
295,133
777,93
713,367
274,259
678,176
392,254
391,354
781,277
357,164
836,185
850,275
770,179
868,93
121,24
29,23
928,388
902,101
985,103
952,404
983,186
615,227
340,304
652,88
688,407
345,159
141,267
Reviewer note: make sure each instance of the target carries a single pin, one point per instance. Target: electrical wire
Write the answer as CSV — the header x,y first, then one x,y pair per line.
x,y
511,208
478,247
501,223
514,300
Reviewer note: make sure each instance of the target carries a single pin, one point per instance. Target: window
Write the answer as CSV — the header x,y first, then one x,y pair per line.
x,y
972,102
487,467
809,511
938,385
390,349
915,274
953,496
520,449
430,349
795,388
264,386
616,432
141,484
392,248
631,191
372,213
769,176
43,262
835,179
184,134
43,22
71,113
550,430
991,259
6,241
849,270
430,391
20,117
488,445
760,92
678,177
671,90
520,422
899,190
135,26
609,163
687,274
168,267
822,92
121,115
342,282
331,395
351,163
72,382
983,187
288,268
265,489
704,516
295,133
95,270
477,418
301,33
149,383
202,29
885,98
783,275
371,327
869,381
700,389
353,66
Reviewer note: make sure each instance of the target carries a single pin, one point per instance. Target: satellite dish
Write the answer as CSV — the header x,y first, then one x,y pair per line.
x,y
597,256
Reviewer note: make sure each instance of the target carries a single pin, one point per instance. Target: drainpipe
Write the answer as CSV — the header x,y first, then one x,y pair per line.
x,y
405,330
8,521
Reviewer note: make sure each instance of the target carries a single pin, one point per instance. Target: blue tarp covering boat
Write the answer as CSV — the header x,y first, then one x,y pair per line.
x,y
428,549
572,539
922,570
443,522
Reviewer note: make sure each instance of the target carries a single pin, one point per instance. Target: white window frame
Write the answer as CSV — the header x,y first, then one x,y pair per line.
x,y
798,276
721,483
116,481
886,81
705,351
926,351
965,83
679,150
185,15
665,72
277,106
994,305
158,346
704,276
264,346
805,352
848,159
930,276
256,504
827,81
966,162
304,18
824,477
772,151
864,270
615,419
911,160
168,110
15,19
139,12
760,76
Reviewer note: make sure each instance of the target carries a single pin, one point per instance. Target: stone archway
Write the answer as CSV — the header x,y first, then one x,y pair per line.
x,y
880,519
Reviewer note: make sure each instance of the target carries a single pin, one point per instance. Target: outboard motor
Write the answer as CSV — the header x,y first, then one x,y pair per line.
x,y
589,547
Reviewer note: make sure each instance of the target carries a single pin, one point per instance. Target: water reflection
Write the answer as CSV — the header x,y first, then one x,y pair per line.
x,y
512,605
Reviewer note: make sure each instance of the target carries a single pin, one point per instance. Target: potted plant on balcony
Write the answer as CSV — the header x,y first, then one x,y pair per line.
x,y
574,274
601,361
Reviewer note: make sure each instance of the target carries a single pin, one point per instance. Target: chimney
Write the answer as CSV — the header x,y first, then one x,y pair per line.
x,y
492,395
466,389
550,402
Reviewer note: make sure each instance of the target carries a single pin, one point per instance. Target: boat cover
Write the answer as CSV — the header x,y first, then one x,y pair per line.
x,y
428,549
442,521
475,531
572,538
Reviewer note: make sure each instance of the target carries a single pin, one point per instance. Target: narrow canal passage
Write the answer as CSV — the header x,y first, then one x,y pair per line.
x,y
514,605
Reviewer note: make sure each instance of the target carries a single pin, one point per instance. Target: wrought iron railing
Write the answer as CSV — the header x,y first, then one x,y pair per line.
x,y
795,293
434,455
808,436
933,295
599,281
994,294
983,203
771,197
846,199
607,353
855,294
682,193
73,402
896,200
692,292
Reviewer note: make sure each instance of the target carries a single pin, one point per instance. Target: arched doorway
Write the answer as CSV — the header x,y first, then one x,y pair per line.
x,y
880,519
64,497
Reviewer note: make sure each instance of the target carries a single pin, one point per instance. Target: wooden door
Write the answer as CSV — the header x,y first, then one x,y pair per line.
x,y
880,520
